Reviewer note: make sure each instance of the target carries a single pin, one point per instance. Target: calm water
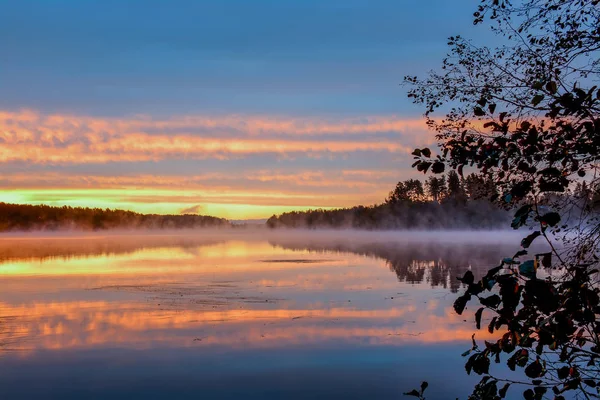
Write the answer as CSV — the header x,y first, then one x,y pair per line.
x,y
237,315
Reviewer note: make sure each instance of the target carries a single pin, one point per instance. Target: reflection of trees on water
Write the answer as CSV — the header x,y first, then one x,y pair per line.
x,y
67,248
436,263
412,261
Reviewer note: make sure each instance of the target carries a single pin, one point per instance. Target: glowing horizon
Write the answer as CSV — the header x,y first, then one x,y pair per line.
x,y
208,113
123,160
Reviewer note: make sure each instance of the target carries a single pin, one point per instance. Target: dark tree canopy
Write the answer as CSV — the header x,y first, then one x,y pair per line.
x,y
24,217
410,190
527,116
408,206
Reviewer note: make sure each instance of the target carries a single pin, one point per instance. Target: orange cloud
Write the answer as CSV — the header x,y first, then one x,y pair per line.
x,y
67,139
70,141
27,121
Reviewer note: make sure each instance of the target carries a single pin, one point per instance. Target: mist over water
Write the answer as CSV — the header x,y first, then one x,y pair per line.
x,y
225,313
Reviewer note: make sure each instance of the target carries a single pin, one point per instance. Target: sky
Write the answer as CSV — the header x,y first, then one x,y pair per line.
x,y
235,108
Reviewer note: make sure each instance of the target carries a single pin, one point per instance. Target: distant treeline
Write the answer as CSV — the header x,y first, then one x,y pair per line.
x,y
21,217
447,202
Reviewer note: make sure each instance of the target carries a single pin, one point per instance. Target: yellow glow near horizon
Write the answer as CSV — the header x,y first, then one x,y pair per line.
x,y
83,146
230,205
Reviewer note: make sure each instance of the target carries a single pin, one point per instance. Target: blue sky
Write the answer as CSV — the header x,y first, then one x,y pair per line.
x,y
115,63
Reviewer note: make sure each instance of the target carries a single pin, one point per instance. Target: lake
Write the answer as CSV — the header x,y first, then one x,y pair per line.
x,y
238,314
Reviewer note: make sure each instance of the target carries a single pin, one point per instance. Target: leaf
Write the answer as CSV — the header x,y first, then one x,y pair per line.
x,y
479,112
550,171
537,85
478,315
551,186
563,372
423,166
518,221
416,152
468,278
438,167
413,393
547,260
526,242
461,302
424,386
426,152
520,253
590,382
492,108
478,363
537,99
492,325
524,210
492,301
551,87
551,218
528,269
503,390
535,370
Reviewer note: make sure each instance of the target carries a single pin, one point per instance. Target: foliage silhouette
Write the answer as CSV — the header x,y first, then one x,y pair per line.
x,y
22,217
526,114
409,207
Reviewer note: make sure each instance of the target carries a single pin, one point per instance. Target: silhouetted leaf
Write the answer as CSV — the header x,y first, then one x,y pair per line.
x,y
537,99
492,301
478,363
520,253
535,370
590,382
478,317
423,166
527,269
503,390
526,242
552,218
551,186
461,302
547,260
438,167
563,372
468,278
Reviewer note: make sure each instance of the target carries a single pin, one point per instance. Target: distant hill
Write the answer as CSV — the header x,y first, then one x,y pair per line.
x,y
22,217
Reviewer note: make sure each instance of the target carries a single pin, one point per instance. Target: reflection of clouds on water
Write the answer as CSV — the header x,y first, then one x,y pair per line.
x,y
180,291
106,324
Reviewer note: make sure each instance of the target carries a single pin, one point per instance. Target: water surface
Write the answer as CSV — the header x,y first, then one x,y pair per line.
x,y
258,315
